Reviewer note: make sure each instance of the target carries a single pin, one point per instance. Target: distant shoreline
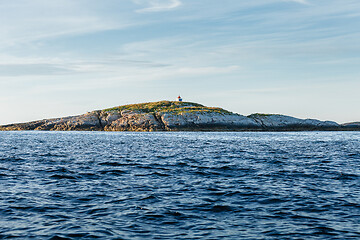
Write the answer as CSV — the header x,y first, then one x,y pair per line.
x,y
172,116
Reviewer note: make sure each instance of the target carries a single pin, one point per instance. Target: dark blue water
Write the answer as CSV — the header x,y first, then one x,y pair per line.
x,y
96,185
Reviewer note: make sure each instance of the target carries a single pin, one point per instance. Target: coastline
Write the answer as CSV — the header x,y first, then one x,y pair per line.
x,y
170,116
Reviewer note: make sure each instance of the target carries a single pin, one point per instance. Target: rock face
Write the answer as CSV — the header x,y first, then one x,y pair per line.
x,y
130,121
353,126
176,116
207,121
277,122
89,121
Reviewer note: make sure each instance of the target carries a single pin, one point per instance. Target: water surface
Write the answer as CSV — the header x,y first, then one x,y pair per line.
x,y
99,185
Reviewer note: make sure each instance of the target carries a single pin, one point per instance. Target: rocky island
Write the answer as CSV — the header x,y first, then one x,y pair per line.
x,y
177,116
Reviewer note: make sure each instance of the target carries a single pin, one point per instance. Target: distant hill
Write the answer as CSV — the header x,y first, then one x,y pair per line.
x,y
351,126
177,116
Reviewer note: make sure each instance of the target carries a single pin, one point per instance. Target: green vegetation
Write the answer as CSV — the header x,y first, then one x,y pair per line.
x,y
168,106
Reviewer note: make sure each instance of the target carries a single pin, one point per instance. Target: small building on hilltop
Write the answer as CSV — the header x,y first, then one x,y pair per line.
x,y
179,99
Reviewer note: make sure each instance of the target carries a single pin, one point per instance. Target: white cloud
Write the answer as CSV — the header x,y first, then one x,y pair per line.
x,y
157,5
300,1
12,70
27,21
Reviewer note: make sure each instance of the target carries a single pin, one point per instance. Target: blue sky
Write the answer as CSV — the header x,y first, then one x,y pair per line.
x,y
293,57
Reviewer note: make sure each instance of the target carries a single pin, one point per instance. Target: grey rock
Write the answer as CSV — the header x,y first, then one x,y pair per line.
x,y
171,116
282,122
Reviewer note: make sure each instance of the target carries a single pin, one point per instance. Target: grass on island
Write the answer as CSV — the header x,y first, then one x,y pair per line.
x,y
170,107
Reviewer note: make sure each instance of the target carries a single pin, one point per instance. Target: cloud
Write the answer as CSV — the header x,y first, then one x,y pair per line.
x,y
205,70
45,66
13,70
305,2
53,19
157,5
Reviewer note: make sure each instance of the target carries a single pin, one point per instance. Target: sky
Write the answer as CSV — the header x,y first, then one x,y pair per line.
x,y
293,57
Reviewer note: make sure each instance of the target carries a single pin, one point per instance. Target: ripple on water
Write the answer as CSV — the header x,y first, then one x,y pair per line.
x,y
84,185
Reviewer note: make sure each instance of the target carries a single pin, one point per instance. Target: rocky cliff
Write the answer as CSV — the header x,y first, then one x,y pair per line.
x,y
175,116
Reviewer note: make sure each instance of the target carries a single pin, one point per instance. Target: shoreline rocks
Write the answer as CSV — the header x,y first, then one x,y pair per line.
x,y
178,116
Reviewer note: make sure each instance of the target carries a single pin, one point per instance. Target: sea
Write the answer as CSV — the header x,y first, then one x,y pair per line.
x,y
179,185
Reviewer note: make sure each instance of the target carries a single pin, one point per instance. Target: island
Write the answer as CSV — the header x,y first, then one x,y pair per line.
x,y
177,116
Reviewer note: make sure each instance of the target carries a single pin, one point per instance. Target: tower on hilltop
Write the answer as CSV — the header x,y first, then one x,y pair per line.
x,y
179,99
